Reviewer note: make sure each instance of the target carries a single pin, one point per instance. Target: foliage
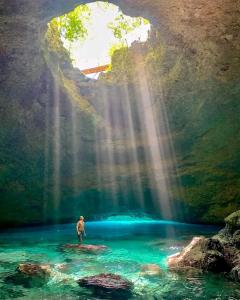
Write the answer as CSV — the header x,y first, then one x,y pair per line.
x,y
122,25
116,47
72,25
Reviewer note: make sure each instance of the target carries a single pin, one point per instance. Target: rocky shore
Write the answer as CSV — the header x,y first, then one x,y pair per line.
x,y
218,254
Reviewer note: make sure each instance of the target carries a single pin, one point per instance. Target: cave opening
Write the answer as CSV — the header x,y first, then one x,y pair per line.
x,y
91,33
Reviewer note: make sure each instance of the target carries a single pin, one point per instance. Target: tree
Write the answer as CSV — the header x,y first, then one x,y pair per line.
x,y
122,25
72,25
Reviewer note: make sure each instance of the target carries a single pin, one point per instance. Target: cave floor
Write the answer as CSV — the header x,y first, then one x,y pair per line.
x,y
130,247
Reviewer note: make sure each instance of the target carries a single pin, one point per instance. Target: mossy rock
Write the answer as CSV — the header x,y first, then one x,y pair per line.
x,y
233,220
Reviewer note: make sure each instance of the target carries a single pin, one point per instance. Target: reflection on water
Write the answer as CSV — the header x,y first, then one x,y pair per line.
x,y
131,245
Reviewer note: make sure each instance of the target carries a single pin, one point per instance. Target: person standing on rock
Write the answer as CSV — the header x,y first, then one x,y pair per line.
x,y
81,229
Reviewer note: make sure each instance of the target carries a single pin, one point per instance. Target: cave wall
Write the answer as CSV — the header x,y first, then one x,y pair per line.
x,y
199,67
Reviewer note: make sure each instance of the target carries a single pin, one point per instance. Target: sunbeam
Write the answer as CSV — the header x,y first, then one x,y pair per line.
x,y
56,150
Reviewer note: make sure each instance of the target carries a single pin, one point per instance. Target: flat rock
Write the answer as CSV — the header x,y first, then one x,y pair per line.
x,y
112,284
85,248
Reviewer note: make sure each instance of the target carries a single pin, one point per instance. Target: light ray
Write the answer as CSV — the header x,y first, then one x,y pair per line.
x,y
56,149
154,143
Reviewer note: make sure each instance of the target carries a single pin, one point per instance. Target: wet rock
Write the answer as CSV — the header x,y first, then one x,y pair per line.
x,y
190,256
93,249
220,253
151,270
112,285
30,275
34,269
201,253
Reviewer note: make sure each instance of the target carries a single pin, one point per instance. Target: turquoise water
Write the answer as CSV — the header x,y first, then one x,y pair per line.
x,y
131,244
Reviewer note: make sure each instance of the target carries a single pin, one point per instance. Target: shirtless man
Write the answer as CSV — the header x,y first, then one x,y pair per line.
x,y
80,229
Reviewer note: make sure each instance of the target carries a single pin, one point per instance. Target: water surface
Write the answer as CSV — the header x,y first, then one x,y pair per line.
x,y
131,245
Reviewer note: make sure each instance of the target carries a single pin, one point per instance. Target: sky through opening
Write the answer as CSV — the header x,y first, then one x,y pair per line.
x,y
96,48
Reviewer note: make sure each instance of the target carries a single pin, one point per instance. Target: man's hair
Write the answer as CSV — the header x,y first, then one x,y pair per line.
x,y
81,217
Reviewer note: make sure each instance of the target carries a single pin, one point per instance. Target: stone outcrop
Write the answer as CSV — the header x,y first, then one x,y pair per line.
x,y
193,51
219,254
108,284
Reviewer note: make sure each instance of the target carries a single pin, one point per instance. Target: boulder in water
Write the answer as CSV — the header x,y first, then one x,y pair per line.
x,y
30,275
34,269
201,253
108,284
221,253
94,249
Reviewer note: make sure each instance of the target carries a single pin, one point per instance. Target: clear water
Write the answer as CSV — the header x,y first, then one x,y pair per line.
x,y
131,244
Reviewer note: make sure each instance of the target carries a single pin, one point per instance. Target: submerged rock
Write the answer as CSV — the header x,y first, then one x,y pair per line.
x,y
94,249
151,270
220,253
108,284
30,275
34,269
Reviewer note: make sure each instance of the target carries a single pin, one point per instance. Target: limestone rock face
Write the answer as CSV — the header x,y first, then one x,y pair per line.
x,y
193,52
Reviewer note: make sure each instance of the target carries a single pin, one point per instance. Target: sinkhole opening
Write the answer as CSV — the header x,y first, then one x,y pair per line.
x,y
91,33
112,147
